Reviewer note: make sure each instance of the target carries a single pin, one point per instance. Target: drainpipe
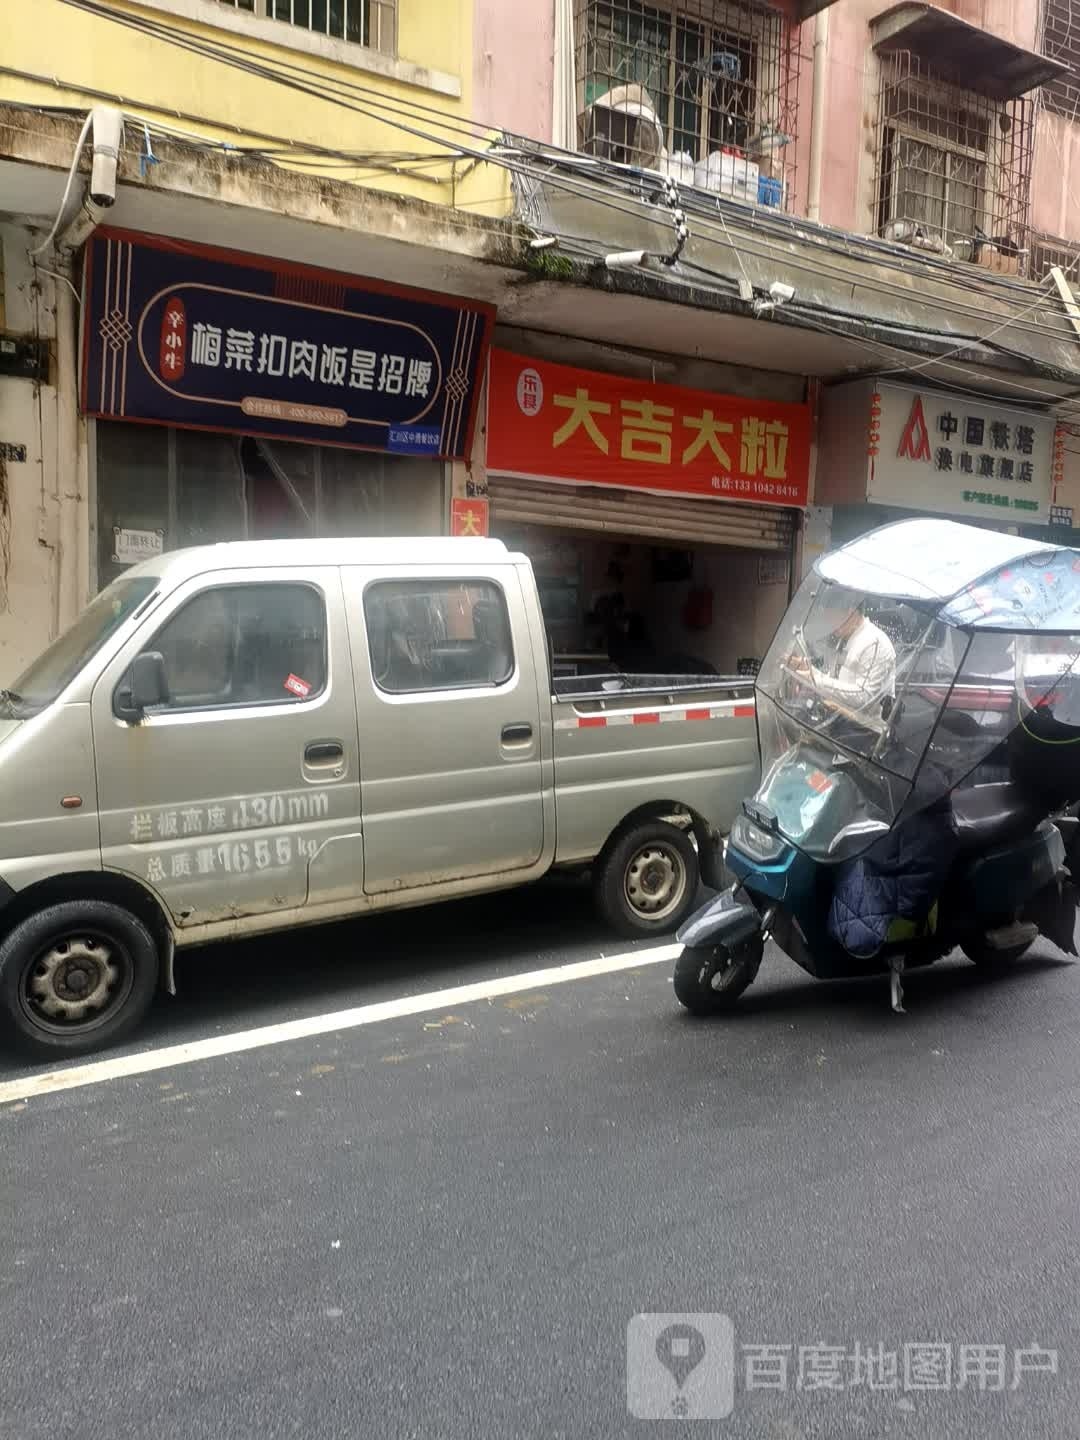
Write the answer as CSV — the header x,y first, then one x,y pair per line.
x,y
817,114
75,222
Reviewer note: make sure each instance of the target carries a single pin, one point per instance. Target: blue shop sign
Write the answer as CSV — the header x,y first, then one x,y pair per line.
x,y
179,334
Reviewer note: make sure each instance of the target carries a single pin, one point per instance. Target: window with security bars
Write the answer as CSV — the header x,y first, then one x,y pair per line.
x,y
363,22
674,87
1061,41
1050,250
953,167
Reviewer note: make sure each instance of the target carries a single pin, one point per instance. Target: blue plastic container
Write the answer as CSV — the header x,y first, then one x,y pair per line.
x,y
770,191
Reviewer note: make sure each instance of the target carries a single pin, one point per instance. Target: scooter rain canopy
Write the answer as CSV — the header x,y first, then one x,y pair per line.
x,y
927,559
1036,592
913,661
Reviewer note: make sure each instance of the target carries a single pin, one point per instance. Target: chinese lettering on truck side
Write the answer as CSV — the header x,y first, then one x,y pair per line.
x,y
558,422
209,829
181,334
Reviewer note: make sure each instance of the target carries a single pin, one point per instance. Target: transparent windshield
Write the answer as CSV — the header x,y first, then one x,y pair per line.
x,y
871,709
850,693
43,680
844,662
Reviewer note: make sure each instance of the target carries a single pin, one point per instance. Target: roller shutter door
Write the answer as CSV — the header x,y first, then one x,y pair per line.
x,y
653,517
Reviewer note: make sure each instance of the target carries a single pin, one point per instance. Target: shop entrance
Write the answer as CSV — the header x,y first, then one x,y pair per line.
x,y
620,603
199,488
636,581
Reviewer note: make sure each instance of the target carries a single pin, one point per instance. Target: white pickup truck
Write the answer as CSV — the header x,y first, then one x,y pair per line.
x,y
248,737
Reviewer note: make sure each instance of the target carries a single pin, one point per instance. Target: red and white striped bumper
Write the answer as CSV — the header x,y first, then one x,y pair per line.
x,y
733,710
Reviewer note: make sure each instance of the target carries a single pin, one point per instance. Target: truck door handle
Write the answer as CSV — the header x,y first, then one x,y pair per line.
x,y
516,734
323,752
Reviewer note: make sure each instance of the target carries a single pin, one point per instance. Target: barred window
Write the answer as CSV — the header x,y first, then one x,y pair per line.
x,y
363,22
704,89
953,167
1061,41
1050,250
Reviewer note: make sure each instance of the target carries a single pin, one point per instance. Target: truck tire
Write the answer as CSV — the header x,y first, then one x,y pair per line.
x,y
646,880
75,977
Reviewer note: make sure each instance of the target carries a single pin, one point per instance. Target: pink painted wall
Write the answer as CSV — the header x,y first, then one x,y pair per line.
x,y
1055,205
512,87
513,61
851,116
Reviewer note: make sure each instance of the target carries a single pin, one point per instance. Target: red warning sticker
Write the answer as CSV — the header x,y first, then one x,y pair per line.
x,y
296,686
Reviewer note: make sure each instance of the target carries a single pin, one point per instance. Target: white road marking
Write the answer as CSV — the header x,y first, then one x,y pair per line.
x,y
75,1076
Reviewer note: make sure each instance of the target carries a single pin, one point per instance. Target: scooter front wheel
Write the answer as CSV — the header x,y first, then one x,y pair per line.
x,y
710,979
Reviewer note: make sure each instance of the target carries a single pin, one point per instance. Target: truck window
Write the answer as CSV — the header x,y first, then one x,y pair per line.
x,y
437,635
245,645
41,683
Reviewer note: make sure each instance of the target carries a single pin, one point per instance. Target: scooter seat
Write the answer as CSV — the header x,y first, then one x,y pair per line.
x,y
989,815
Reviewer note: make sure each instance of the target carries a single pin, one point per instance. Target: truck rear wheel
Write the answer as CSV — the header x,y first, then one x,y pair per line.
x,y
75,977
647,879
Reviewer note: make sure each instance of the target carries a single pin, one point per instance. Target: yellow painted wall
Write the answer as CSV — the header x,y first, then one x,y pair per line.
x,y
154,78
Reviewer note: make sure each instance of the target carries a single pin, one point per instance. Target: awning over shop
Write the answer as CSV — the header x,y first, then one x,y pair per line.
x,y
977,59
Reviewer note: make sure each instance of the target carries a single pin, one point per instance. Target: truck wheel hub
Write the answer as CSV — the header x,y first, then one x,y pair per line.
x,y
655,881
72,979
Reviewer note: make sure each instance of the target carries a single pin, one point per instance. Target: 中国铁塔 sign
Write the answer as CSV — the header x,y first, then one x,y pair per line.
x,y
556,422
939,451
183,335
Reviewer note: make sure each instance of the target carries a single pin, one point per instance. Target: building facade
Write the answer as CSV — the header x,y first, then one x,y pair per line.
x,y
668,295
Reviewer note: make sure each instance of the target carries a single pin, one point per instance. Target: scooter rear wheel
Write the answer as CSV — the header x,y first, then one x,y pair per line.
x,y
991,960
710,980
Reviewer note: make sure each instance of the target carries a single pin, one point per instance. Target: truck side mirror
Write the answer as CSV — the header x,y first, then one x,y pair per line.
x,y
145,687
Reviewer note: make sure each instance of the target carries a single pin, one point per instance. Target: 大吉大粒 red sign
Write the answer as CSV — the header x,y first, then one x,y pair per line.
x,y
556,422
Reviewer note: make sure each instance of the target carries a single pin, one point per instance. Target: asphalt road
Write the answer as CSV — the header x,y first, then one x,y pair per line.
x,y
442,1224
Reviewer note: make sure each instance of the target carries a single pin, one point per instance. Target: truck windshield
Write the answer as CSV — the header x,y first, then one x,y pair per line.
x,y
43,680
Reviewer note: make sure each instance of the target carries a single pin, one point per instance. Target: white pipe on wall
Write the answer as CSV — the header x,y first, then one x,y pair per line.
x,y
68,233
817,114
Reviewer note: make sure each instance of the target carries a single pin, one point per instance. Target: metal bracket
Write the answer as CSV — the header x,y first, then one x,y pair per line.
x,y
896,985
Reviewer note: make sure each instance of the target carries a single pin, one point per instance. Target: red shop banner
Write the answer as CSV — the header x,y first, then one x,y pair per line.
x,y
555,422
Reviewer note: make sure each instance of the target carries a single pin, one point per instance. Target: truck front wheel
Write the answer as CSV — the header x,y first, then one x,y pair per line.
x,y
75,977
647,879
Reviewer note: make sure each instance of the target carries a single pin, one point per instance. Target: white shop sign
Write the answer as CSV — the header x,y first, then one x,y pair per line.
x,y
953,456
131,546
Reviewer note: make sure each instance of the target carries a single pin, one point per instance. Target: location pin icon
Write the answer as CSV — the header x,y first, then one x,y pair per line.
x,y
680,1348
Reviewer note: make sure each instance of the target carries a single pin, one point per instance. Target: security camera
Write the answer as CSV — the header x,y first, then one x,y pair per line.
x,y
781,292
108,126
626,259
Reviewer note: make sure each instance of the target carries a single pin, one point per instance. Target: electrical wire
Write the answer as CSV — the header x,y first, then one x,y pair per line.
x,y
587,246
321,89
324,89
983,339
83,133
880,347
396,112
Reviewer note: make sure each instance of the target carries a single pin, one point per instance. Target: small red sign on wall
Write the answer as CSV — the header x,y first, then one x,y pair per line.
x,y
173,351
468,516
